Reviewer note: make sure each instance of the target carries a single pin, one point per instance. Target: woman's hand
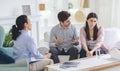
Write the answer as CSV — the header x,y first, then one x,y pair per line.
x,y
47,55
89,53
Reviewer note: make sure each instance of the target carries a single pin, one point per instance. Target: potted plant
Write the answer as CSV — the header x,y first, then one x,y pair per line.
x,y
8,42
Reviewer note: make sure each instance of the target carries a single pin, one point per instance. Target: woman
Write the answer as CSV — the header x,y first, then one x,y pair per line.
x,y
91,37
24,46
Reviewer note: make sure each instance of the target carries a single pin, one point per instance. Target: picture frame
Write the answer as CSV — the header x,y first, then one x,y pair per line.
x,y
41,6
26,9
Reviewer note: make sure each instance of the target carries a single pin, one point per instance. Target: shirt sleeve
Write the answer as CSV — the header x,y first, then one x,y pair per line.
x,y
100,38
31,47
75,34
82,36
52,37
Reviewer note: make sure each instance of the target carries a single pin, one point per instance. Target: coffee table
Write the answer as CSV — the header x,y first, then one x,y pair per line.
x,y
99,63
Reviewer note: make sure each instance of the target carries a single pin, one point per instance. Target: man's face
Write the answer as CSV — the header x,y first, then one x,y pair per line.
x,y
67,22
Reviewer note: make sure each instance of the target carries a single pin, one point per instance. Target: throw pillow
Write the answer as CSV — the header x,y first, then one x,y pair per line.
x,y
5,59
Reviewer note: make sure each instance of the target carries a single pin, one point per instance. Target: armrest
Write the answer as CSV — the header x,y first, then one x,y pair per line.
x,y
8,51
21,65
18,63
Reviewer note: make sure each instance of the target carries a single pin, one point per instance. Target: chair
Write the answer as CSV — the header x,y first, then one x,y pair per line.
x,y
8,51
2,36
20,65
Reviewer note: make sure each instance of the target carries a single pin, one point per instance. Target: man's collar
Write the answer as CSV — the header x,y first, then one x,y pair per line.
x,y
66,27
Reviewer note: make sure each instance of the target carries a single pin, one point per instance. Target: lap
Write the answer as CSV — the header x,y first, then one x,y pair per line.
x,y
83,52
58,52
55,51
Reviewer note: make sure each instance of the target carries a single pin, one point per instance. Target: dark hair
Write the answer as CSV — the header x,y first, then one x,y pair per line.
x,y
20,21
63,15
91,15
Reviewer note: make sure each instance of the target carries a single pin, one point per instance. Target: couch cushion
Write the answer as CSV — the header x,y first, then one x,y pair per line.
x,y
112,36
46,36
7,51
117,45
5,59
2,36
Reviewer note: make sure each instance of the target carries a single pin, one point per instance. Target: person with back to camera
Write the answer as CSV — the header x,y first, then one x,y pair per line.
x,y
25,48
63,37
92,37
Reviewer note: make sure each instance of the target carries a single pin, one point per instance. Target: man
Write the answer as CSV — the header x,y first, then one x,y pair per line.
x,y
63,38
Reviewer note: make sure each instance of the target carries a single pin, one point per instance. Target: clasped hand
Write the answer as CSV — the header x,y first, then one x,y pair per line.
x,y
89,53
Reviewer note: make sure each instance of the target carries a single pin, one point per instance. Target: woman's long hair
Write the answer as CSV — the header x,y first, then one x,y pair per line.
x,y
95,30
20,21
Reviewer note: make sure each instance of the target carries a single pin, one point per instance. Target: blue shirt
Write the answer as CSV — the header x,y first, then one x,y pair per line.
x,y
67,35
25,48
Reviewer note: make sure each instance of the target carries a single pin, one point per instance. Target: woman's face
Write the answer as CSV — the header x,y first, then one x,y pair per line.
x,y
92,22
28,25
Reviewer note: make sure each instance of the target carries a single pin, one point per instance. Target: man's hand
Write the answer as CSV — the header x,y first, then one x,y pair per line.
x,y
58,41
75,42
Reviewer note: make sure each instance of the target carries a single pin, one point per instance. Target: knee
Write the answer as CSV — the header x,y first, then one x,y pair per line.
x,y
48,61
53,51
51,61
74,49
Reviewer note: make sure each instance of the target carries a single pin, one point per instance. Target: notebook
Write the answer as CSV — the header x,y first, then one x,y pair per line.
x,y
69,64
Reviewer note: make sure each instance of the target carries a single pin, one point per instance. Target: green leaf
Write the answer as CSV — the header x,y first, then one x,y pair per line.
x,y
8,42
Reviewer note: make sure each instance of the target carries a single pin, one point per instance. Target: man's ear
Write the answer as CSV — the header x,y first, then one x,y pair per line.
x,y
61,22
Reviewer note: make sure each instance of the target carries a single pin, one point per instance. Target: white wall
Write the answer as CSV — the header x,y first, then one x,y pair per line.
x,y
14,7
10,9
108,12
104,10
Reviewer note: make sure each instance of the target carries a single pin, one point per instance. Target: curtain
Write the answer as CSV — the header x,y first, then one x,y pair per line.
x,y
108,12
